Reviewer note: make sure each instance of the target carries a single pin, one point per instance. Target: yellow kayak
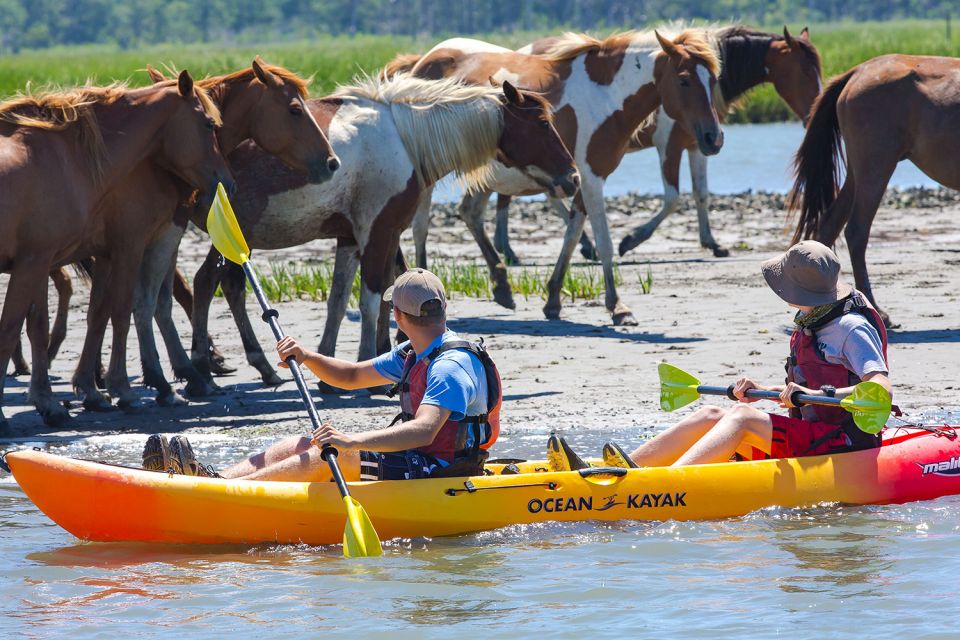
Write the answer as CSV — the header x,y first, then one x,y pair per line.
x,y
102,502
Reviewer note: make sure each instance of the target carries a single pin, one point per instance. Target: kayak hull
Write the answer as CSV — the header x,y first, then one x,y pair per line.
x,y
101,502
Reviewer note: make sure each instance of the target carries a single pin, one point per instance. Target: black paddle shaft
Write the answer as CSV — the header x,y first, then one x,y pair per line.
x,y
270,316
797,398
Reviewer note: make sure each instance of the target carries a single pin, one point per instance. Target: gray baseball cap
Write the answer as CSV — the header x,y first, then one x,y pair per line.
x,y
415,288
808,274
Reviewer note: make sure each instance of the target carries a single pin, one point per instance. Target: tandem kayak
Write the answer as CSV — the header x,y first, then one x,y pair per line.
x,y
103,502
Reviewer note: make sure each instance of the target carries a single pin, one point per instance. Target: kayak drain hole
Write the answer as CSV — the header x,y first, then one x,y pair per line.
x,y
469,487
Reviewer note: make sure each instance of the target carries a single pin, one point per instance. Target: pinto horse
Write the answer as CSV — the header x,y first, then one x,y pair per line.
x,y
91,139
397,137
885,110
748,58
601,92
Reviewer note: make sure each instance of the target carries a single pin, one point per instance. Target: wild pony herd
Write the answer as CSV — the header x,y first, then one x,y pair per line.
x,y
108,178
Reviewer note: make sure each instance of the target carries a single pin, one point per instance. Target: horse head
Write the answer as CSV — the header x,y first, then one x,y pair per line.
x,y
686,77
793,66
530,143
188,141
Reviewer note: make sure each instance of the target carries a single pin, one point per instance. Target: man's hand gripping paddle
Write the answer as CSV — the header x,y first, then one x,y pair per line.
x,y
359,536
870,403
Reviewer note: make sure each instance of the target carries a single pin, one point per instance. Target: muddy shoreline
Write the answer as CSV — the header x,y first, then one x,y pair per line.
x,y
711,316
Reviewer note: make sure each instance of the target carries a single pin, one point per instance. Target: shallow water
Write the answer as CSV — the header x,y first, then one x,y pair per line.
x,y
755,157
831,571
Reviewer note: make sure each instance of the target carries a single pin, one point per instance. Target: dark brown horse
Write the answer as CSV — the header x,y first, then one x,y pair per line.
x,y
888,109
90,139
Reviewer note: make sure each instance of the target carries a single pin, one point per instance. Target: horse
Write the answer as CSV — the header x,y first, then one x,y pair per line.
x,y
748,58
887,109
601,92
263,103
90,138
63,283
397,137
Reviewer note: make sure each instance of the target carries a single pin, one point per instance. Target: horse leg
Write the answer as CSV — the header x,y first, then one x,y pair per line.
x,y
85,376
701,196
184,295
421,226
501,234
234,284
20,366
204,286
125,275
376,271
64,285
472,209
344,271
670,155
597,214
41,395
575,222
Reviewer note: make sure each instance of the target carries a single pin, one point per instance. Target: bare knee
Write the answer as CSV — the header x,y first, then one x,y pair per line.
x,y
710,412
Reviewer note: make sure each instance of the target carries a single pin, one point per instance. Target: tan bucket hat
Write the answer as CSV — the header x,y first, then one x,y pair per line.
x,y
808,274
415,288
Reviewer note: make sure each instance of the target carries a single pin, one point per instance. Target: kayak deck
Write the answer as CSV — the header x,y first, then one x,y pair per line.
x,y
101,502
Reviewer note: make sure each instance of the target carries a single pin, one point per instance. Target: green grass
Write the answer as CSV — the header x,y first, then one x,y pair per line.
x,y
284,282
333,60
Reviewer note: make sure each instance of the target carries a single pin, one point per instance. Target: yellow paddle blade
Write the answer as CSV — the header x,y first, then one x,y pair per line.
x,y
359,537
677,387
870,405
224,229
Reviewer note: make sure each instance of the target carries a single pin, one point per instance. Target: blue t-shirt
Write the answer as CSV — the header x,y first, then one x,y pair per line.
x,y
455,379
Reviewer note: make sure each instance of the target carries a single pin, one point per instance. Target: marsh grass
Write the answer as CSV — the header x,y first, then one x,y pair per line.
x,y
288,281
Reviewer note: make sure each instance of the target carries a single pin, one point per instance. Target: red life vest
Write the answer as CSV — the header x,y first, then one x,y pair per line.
x,y
457,439
807,366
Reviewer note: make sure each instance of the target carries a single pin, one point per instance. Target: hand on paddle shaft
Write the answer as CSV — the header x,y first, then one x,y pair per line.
x,y
359,536
740,389
869,403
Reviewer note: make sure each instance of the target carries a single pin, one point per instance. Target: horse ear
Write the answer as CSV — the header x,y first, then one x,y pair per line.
x,y
788,38
185,84
513,96
155,75
492,81
665,44
264,76
805,34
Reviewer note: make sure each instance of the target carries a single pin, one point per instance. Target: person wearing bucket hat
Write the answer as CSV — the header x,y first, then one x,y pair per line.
x,y
838,341
449,391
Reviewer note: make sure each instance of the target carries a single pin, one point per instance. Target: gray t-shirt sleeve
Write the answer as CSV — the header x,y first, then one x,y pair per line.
x,y
862,348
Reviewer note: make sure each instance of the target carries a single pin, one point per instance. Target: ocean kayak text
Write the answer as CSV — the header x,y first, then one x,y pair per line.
x,y
633,501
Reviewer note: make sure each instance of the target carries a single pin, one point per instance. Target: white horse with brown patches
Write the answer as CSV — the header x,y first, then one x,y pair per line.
x,y
749,58
601,92
396,138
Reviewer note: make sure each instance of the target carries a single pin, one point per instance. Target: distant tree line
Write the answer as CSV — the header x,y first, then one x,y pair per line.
x,y
132,23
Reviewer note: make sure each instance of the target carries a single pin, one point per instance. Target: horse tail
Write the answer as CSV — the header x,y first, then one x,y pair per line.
x,y
84,270
818,161
403,63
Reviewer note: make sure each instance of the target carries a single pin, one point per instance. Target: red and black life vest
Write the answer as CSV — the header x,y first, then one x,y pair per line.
x,y
808,366
457,439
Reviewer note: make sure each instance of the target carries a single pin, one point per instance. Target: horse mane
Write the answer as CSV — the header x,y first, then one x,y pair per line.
x,y
743,51
697,41
445,125
302,84
55,109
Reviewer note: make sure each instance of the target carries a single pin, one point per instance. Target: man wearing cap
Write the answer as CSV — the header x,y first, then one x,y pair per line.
x,y
449,394
838,341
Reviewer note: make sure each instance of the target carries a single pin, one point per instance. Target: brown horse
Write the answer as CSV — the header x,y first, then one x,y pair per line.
x,y
397,138
601,92
91,139
888,109
265,104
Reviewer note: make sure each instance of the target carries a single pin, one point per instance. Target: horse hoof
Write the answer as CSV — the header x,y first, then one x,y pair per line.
x,y
551,313
199,389
589,253
511,260
624,319
503,296
21,371
172,399
721,252
219,367
271,379
55,417
329,389
97,404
